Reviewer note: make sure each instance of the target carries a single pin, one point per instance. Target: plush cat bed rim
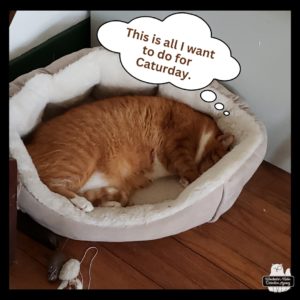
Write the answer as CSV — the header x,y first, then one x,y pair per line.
x,y
142,224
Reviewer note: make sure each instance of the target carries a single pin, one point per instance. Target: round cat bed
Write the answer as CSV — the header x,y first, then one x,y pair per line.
x,y
164,208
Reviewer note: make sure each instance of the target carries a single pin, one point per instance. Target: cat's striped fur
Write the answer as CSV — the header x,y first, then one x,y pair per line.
x,y
129,141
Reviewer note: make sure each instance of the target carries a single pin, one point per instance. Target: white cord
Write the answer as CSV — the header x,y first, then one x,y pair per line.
x,y
90,266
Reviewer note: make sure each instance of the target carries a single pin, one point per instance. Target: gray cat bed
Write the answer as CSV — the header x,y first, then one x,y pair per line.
x,y
162,209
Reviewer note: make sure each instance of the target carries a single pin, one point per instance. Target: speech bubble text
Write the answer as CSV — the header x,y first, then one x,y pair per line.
x,y
179,50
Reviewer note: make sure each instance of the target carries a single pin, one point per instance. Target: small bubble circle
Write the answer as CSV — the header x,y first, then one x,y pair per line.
x,y
208,96
219,106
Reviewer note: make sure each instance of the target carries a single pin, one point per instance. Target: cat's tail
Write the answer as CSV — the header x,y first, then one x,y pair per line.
x,y
103,196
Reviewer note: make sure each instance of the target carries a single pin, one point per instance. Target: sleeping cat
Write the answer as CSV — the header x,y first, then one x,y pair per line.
x,y
129,141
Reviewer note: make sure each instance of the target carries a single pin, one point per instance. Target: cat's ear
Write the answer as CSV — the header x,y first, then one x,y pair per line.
x,y
226,139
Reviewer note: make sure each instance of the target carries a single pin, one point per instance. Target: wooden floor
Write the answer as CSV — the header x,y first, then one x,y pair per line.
x,y
232,253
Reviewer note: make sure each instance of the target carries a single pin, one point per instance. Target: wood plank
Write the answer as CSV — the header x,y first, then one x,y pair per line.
x,y
265,211
249,247
234,252
261,178
261,230
108,271
273,185
266,174
282,189
34,249
272,198
27,273
172,265
223,257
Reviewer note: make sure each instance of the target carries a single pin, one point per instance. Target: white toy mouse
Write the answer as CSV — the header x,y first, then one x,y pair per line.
x,y
69,275
70,271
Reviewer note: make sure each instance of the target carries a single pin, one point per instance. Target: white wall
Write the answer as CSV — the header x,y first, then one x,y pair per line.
x,y
31,28
261,42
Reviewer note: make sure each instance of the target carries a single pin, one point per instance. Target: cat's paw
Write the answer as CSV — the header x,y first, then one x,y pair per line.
x,y
82,203
111,204
184,182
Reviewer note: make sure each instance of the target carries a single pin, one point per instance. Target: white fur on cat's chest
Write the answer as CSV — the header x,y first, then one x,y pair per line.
x,y
158,170
98,180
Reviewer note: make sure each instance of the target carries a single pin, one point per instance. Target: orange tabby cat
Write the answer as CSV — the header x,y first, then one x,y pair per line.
x,y
127,141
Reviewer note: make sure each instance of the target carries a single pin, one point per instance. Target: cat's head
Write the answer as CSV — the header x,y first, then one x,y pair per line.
x,y
221,145
276,268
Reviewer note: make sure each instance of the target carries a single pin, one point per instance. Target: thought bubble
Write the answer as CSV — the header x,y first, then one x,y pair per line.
x,y
179,50
210,96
